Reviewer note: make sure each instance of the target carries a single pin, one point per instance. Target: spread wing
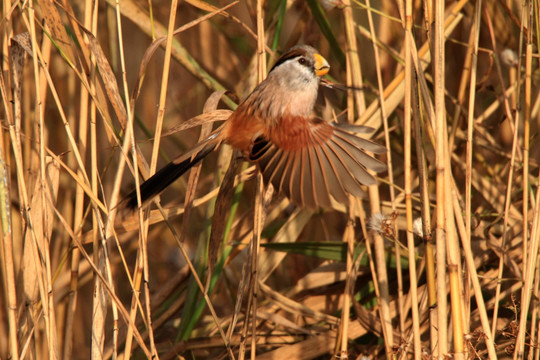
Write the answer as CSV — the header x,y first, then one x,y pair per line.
x,y
309,159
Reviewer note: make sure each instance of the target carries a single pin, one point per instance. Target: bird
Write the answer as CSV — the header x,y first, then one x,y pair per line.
x,y
307,159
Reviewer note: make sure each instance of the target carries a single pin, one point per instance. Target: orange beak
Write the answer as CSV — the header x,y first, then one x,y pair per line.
x,y
321,65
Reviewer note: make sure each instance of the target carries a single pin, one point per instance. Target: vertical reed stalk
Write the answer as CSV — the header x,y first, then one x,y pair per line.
x,y
441,233
409,86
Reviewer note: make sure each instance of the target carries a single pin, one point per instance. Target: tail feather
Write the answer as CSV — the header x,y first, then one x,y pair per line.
x,y
154,185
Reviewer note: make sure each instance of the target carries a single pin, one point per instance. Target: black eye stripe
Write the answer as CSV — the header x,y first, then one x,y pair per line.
x,y
288,56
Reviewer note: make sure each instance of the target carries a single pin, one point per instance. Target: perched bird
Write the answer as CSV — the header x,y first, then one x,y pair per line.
x,y
303,157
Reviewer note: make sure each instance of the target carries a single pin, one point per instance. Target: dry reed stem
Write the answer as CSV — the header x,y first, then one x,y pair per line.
x,y
466,237
354,78
127,143
472,61
153,164
38,243
525,177
103,280
394,92
528,279
353,60
258,213
438,119
425,204
6,251
466,243
78,216
526,137
409,84
341,347
507,202
250,271
384,120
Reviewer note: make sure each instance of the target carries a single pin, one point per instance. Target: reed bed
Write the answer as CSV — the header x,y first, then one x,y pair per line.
x,y
439,260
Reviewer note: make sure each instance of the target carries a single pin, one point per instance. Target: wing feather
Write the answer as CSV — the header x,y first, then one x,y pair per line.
x,y
351,162
271,166
295,181
334,183
358,129
350,184
308,195
309,160
319,182
284,184
279,172
361,143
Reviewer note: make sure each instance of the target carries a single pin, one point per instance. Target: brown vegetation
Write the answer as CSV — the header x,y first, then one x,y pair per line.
x,y
94,93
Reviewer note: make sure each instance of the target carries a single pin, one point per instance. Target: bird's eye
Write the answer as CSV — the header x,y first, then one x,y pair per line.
x,y
302,61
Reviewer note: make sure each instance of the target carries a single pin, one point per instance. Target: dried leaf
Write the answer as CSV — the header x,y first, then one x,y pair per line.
x,y
202,5
57,29
41,204
207,118
20,46
221,211
212,102
109,79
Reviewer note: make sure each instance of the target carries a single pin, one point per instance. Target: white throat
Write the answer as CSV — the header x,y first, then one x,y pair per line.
x,y
290,90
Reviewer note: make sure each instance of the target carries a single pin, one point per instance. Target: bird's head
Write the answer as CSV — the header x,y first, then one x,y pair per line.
x,y
300,67
291,86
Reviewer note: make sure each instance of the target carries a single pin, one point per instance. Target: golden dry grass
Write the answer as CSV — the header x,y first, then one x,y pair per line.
x,y
93,93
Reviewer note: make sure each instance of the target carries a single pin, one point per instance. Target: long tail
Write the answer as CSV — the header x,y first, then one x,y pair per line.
x,y
169,173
